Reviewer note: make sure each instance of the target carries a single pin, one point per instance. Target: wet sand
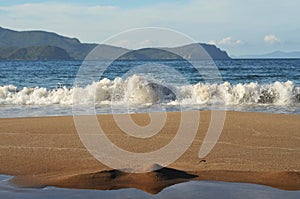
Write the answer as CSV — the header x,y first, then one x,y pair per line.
x,y
257,148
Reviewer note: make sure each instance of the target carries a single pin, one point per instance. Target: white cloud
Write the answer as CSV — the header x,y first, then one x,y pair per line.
x,y
122,42
212,42
271,39
228,41
239,42
225,41
145,43
130,42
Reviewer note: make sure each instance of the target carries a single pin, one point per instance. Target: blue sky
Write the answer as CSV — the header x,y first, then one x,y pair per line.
x,y
233,25
120,3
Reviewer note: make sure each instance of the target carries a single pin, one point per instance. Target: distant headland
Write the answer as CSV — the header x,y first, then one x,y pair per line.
x,y
42,45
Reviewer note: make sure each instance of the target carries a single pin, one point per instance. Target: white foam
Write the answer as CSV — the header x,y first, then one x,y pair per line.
x,y
137,90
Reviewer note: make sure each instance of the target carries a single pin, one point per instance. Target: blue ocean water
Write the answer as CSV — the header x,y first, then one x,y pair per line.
x,y
40,88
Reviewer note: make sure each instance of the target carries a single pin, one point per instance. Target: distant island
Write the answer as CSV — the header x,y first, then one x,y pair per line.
x,y
42,45
276,55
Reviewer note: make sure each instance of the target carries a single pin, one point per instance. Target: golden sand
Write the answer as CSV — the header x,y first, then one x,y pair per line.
x,y
258,148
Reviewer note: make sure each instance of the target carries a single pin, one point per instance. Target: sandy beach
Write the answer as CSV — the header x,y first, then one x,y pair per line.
x,y
260,148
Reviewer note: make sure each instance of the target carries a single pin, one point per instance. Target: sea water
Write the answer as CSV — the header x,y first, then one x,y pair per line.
x,y
192,189
43,88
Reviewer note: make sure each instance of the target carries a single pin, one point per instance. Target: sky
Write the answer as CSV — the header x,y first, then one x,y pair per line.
x,y
240,28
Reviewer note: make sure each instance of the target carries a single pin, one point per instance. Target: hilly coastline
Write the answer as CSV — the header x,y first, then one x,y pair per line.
x,y
42,45
34,53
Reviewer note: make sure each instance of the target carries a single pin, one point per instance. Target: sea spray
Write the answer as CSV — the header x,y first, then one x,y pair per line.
x,y
138,90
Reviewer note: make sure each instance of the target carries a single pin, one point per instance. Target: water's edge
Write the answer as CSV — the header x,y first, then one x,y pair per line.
x,y
192,189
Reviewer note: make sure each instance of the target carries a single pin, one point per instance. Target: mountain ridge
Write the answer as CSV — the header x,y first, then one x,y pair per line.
x,y
34,53
25,42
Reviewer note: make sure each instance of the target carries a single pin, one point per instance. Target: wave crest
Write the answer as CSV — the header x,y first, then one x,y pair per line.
x,y
137,90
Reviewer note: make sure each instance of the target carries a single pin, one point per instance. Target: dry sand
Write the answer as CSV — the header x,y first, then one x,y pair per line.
x,y
257,148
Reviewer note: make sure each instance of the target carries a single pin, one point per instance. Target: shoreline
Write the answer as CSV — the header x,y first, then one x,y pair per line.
x,y
260,148
145,112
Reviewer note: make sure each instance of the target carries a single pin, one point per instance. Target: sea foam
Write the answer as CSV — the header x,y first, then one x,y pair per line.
x,y
138,90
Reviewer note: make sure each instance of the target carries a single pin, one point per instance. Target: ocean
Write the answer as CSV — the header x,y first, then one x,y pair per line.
x,y
46,88
192,189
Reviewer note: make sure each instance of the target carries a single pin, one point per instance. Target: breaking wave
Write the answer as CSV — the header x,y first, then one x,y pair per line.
x,y
137,90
